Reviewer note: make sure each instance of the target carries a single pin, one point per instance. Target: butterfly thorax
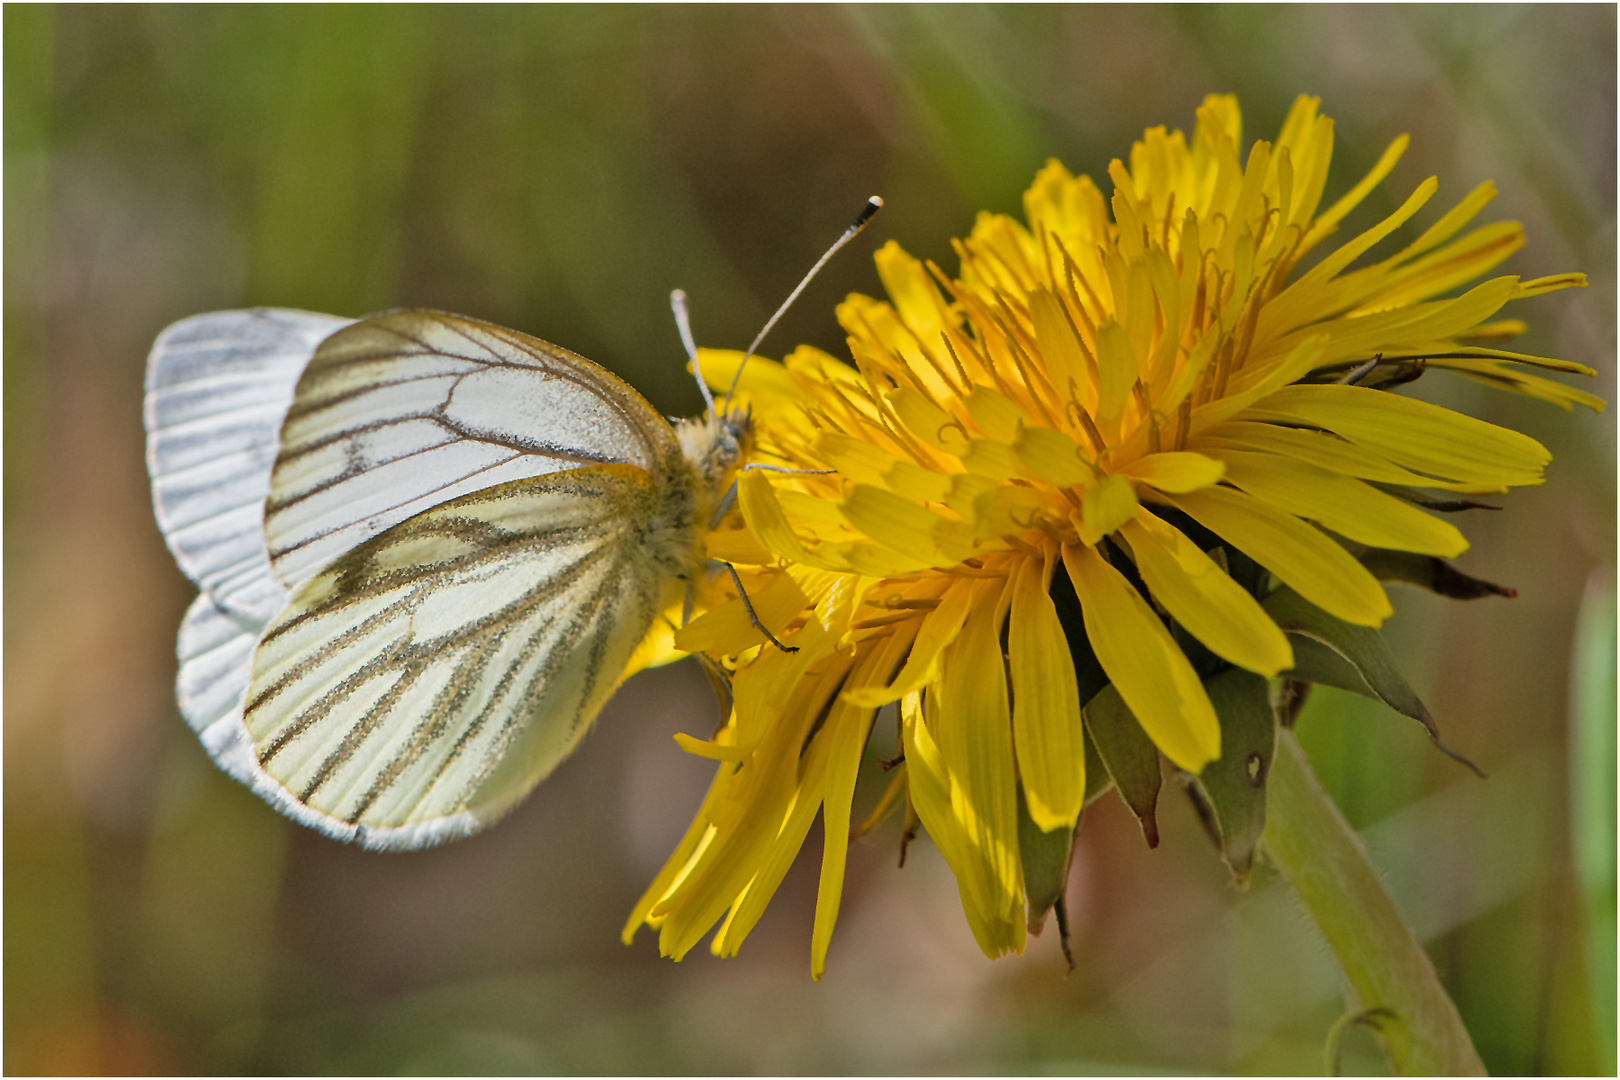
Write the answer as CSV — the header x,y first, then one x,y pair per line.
x,y
712,447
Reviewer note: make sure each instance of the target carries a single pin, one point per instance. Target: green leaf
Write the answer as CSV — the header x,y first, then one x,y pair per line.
x,y
1128,754
1430,572
1098,780
1045,856
1234,785
1315,662
1364,648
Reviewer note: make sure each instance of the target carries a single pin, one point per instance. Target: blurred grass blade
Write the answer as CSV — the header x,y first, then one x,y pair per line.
x,y
1592,799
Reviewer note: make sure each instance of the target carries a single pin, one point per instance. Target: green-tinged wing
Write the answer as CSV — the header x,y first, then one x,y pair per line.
x,y
411,409
422,683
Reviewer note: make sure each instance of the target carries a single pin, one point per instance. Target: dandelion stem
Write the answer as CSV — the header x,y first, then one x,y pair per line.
x,y
1383,963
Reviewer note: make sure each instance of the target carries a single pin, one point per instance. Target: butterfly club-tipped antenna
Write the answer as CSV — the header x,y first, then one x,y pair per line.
x,y
683,323
873,205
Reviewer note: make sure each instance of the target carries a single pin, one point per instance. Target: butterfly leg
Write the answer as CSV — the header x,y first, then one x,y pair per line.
x,y
748,607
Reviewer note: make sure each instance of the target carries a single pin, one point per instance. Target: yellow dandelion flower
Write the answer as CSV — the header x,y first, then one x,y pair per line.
x,y
1131,448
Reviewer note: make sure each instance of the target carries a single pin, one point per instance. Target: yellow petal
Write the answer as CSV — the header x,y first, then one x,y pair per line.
x,y
1509,377
1550,283
1348,506
849,728
1318,448
996,460
1047,729
997,930
939,629
761,818
727,629
1436,320
1053,456
996,933
927,421
914,294
906,527
1143,662
1106,506
1117,371
810,510
1006,509
930,785
856,459
966,490
1200,596
1063,352
1260,378
698,835
1514,327
1175,471
871,560
916,482
658,647
1449,224
1420,436
765,383
714,750
846,732
1328,221
1310,140
997,415
1297,552
736,546
903,351
860,461
970,720
1379,287
766,520
776,849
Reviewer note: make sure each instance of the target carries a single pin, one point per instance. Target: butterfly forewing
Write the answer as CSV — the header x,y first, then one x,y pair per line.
x,y
439,671
217,389
405,411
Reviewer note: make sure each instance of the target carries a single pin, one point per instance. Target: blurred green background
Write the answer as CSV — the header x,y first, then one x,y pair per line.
x,y
559,170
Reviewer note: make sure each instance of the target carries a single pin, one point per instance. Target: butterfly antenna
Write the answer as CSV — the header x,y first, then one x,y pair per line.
x,y
683,323
873,205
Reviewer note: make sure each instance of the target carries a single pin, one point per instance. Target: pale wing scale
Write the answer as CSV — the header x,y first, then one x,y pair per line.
x,y
419,686
217,389
216,662
406,411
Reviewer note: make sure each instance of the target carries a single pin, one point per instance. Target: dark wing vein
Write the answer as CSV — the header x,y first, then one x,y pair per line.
x,y
400,411
452,661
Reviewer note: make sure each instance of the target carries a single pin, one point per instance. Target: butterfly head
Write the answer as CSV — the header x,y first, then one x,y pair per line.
x,y
715,445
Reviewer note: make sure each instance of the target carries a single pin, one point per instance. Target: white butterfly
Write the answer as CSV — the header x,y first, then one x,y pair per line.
x,y
428,549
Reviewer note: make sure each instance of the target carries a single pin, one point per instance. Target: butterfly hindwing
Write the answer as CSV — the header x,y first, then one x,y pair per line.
x,y
418,686
404,411
217,389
